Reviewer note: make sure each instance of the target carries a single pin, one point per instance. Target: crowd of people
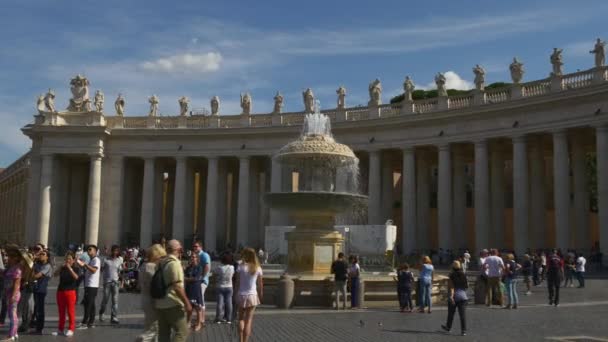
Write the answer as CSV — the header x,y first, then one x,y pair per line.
x,y
173,282
172,291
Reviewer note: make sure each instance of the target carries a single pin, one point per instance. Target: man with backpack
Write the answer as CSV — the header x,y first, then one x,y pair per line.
x,y
555,274
171,303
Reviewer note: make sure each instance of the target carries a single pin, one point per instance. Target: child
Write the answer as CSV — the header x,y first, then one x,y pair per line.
x,y
193,277
405,279
12,283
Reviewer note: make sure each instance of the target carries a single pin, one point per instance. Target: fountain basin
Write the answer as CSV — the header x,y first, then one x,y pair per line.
x,y
315,201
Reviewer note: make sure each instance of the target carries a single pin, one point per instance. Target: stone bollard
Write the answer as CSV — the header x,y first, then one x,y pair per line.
x,y
285,292
361,292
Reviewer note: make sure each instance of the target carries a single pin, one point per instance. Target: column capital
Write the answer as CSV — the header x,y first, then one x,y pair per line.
x,y
243,158
562,132
603,127
148,158
480,142
408,149
96,156
443,146
519,139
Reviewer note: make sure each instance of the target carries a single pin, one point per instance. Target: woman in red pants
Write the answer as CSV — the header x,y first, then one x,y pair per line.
x,y
66,295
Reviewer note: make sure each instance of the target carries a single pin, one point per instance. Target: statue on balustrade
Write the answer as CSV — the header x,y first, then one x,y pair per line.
x,y
153,105
40,104
80,95
119,105
215,105
49,101
375,93
440,82
408,88
600,53
278,103
556,61
183,105
480,77
246,103
341,97
309,101
517,70
99,99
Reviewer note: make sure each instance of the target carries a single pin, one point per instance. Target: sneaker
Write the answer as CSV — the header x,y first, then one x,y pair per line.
x,y
446,329
114,321
69,333
12,338
463,333
91,326
228,322
101,319
82,327
58,333
528,293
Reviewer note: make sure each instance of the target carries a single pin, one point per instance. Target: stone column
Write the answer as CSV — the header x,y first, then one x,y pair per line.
x,y
520,195
459,205
179,201
561,189
444,197
497,192
211,207
93,201
33,199
582,235
46,180
408,207
373,211
423,201
601,135
242,219
112,233
275,186
482,195
538,204
386,211
147,203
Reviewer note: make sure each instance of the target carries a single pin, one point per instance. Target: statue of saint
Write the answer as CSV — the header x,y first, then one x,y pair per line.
x,y
375,93
215,105
246,103
341,97
40,104
408,88
49,101
600,53
183,105
278,103
119,105
99,99
309,101
480,77
517,70
440,82
80,95
153,105
556,61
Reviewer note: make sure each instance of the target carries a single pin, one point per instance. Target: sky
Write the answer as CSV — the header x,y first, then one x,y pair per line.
x,y
200,49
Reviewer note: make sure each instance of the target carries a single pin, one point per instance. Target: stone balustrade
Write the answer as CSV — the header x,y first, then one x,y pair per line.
x,y
514,92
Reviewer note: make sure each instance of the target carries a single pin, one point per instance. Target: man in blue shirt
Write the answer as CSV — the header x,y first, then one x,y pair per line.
x,y
205,261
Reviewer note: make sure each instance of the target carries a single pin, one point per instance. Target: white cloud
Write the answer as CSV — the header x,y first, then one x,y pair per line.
x,y
186,63
452,81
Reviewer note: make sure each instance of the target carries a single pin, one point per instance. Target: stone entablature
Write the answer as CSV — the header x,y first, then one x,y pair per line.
x,y
476,99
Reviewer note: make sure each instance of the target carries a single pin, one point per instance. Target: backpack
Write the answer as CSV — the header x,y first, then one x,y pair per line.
x,y
158,288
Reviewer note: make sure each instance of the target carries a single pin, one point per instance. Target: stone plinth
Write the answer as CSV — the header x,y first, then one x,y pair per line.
x,y
312,251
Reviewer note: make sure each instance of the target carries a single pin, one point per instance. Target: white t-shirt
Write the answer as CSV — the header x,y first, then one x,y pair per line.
x,y
494,264
248,281
92,279
482,261
224,275
580,264
354,270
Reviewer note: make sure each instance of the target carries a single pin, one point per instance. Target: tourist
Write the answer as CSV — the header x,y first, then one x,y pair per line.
x,y
457,297
43,272
580,270
425,284
511,270
153,256
224,274
173,308
569,270
536,269
25,309
193,277
3,307
494,267
66,294
111,267
525,271
466,256
250,290
354,273
91,285
543,266
405,279
205,262
12,283
339,268
555,274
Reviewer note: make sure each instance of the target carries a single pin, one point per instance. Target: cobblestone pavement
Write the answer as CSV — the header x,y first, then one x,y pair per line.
x,y
580,317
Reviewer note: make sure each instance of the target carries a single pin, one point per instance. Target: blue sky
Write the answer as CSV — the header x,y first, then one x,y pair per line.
x,y
201,49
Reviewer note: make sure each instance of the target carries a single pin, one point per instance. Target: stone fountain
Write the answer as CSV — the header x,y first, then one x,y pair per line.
x,y
318,159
